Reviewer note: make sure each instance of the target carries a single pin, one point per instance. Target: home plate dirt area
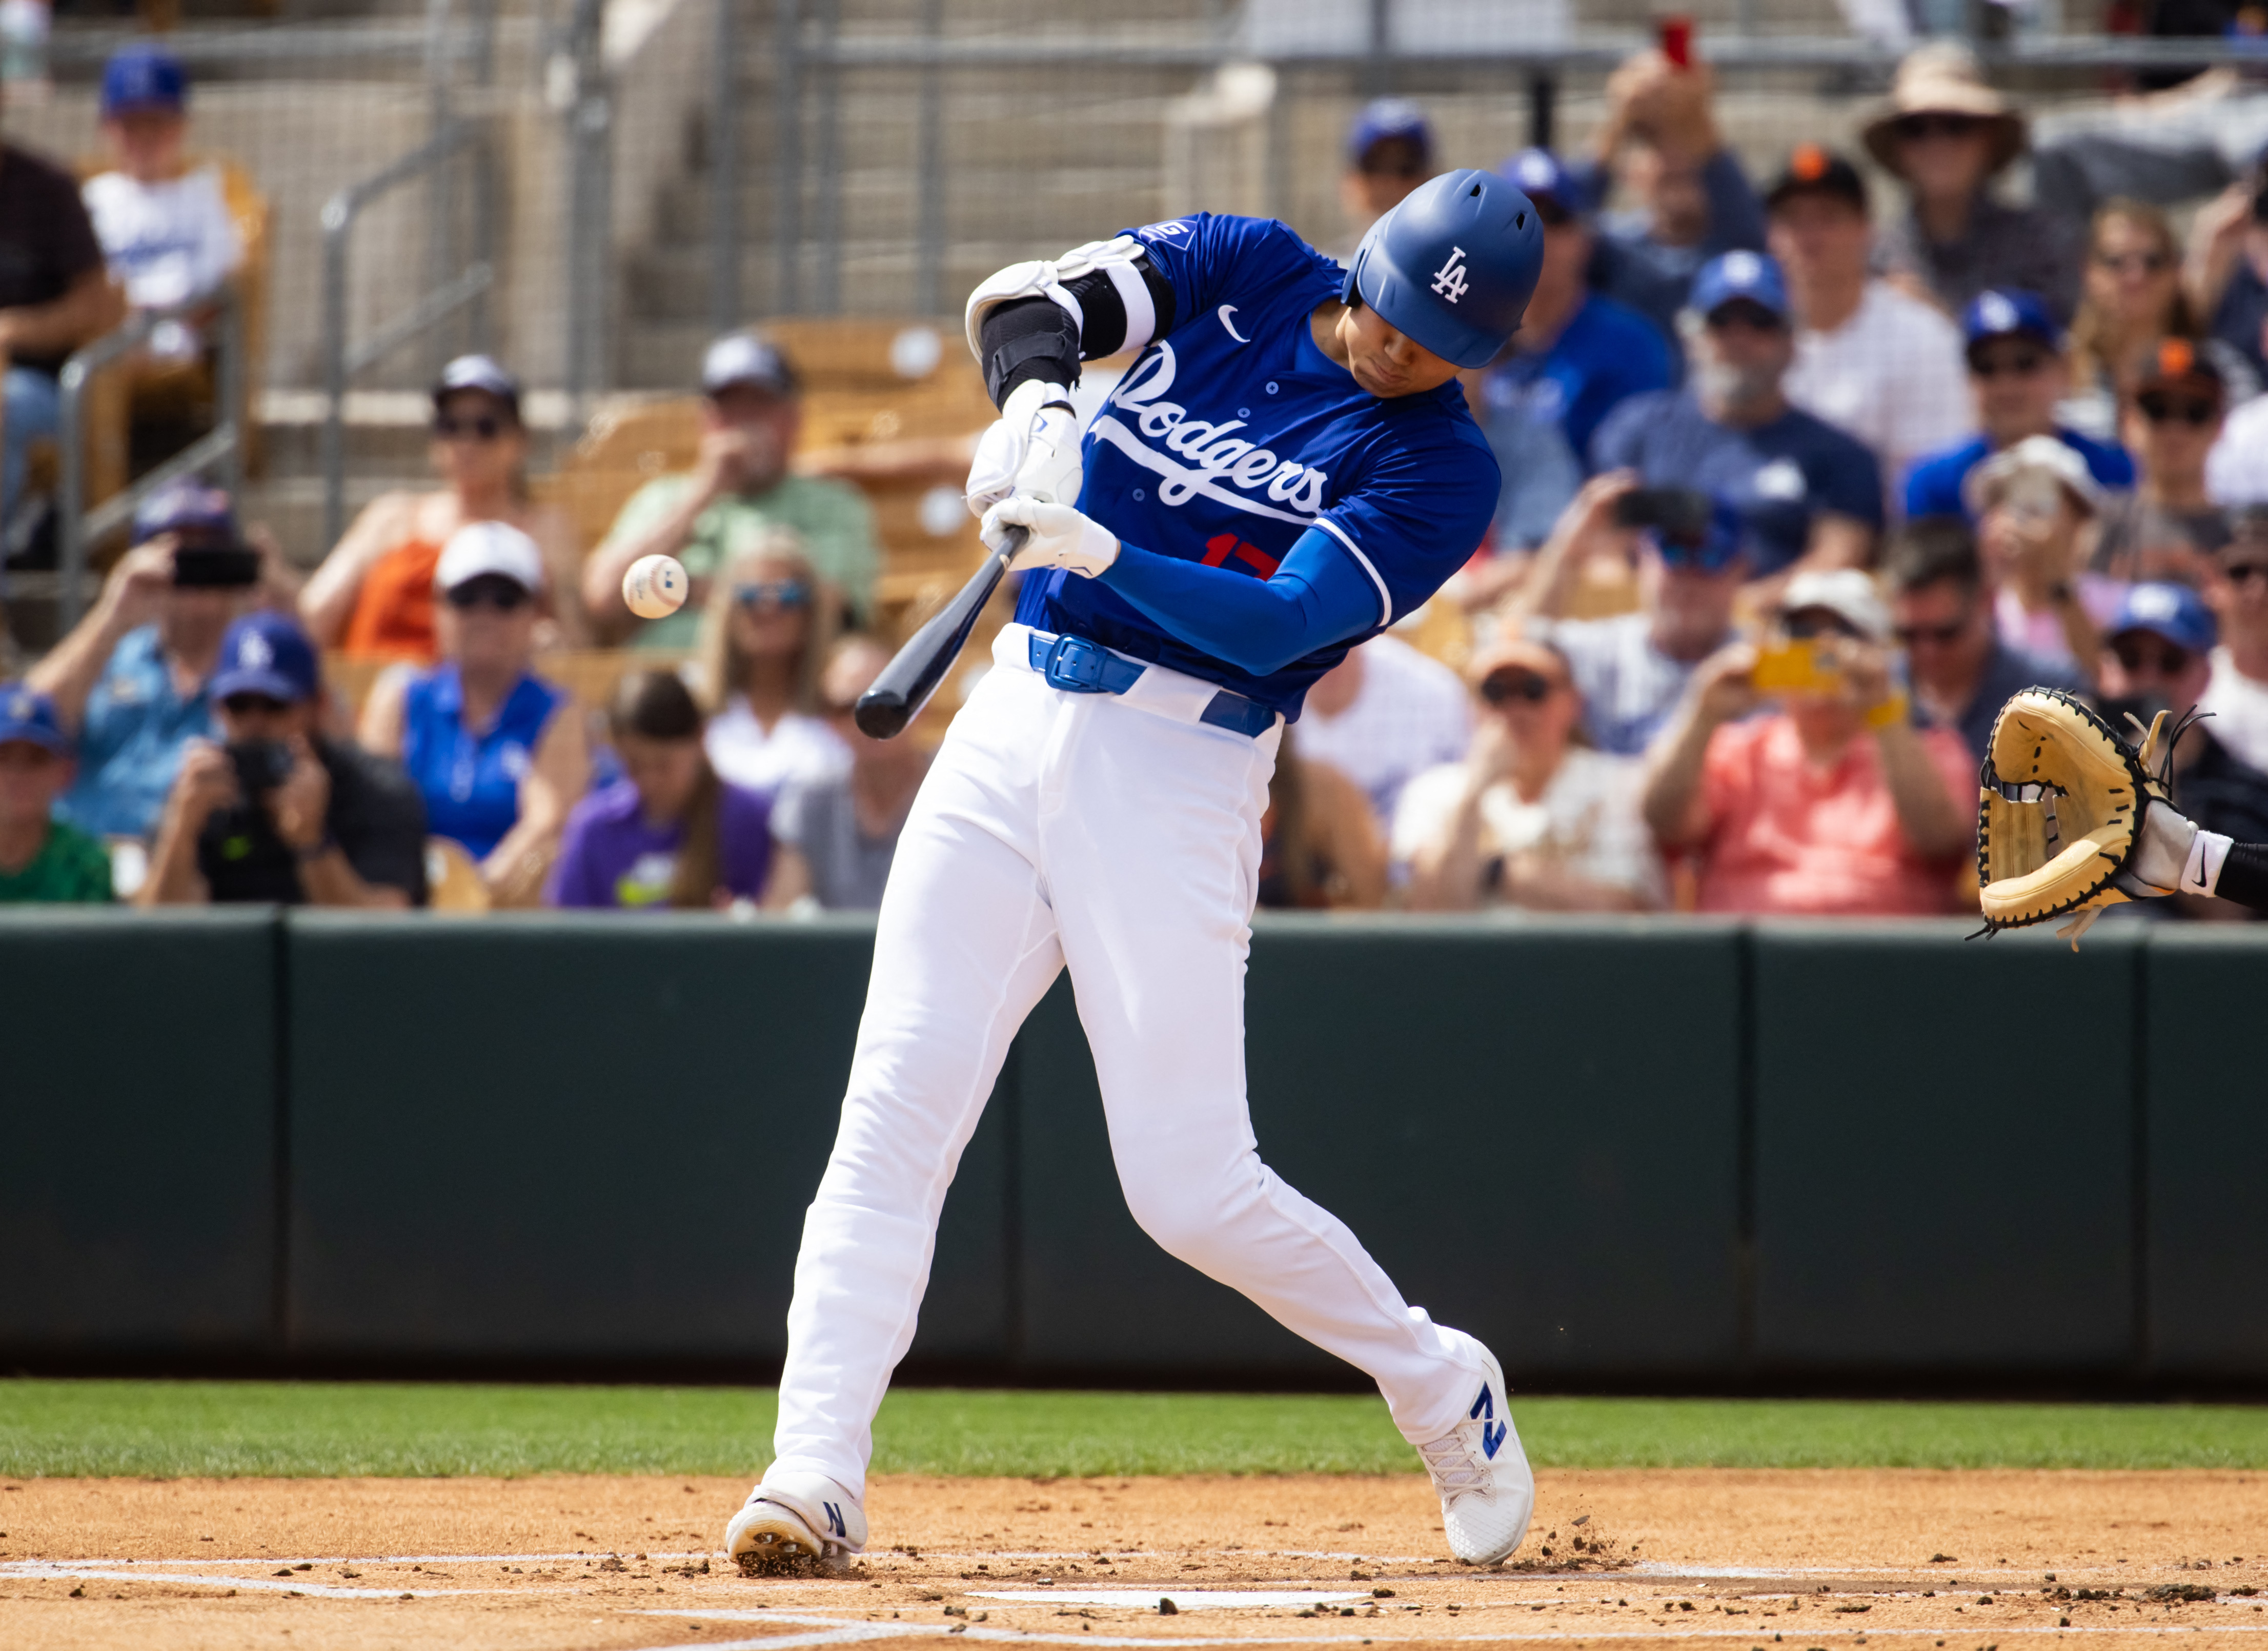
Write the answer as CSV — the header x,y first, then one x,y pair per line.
x,y
1966,1560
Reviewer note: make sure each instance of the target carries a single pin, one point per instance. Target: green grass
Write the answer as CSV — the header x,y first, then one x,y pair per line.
x,y
167,1429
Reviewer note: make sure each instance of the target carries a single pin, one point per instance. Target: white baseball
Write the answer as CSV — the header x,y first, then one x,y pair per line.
x,y
655,586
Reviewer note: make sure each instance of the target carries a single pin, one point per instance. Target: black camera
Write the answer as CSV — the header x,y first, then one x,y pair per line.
x,y
1678,513
261,765
215,566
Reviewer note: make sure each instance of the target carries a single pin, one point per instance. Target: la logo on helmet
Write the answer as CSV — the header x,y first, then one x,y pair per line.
x,y
1449,279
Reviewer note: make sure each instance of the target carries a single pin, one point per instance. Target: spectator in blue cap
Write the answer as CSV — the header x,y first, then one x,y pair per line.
x,y
280,813
42,859
2017,372
1695,201
1389,151
1578,354
1805,491
165,225
129,680
1631,668
55,295
2157,655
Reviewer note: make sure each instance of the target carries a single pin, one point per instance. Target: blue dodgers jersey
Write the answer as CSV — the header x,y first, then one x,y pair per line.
x,y
1233,435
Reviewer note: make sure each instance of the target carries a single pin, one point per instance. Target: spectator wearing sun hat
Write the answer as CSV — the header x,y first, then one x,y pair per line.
x,y
741,484
1834,803
497,752
1577,357
1945,134
1805,491
281,813
1869,358
2017,374
43,859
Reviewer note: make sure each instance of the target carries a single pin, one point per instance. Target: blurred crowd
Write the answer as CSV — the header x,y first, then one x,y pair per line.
x,y
1800,483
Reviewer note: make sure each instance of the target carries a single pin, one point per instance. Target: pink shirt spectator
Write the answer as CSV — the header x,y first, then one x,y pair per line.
x,y
1789,838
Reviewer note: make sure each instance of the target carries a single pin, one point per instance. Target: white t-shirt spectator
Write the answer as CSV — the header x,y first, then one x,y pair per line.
x,y
166,242
1892,375
798,748
2239,707
1587,821
2236,470
1410,714
1629,686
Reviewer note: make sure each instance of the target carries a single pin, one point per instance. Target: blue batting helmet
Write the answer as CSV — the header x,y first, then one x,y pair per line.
x,y
1453,266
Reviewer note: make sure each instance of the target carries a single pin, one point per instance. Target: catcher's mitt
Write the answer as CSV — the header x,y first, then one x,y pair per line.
x,y
2059,810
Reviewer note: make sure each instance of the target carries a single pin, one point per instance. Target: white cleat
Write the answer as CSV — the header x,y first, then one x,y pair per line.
x,y
795,1521
1482,1475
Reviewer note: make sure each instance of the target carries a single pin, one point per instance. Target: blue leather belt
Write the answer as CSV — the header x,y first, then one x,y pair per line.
x,y
1079,667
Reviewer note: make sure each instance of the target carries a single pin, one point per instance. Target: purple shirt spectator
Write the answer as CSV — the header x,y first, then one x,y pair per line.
x,y
612,858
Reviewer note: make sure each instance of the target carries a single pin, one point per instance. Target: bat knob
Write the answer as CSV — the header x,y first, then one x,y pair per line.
x,y
881,714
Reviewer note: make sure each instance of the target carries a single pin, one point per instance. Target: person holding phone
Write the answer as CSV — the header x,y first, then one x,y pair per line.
x,y
128,683
276,813
1833,805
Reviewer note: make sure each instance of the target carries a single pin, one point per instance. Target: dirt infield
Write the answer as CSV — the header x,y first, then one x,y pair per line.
x,y
1968,1561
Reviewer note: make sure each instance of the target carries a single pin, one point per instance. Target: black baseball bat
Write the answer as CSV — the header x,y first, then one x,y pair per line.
x,y
911,677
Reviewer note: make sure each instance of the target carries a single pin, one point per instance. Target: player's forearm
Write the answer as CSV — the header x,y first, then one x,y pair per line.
x,y
2244,879
1673,781
1315,598
92,306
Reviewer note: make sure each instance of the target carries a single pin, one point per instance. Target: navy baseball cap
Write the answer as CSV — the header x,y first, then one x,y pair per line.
x,y
1737,277
484,373
2173,612
188,508
1389,117
748,358
267,653
2003,311
1545,177
28,715
144,77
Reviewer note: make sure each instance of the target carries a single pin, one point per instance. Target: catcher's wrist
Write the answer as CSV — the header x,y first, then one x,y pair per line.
x,y
1889,713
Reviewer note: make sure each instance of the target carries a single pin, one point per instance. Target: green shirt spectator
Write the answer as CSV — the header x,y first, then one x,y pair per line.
x,y
752,413
40,857
832,520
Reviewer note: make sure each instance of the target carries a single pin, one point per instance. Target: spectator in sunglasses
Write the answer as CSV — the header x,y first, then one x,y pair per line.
x,y
837,833
2132,302
1631,668
669,834
1660,138
751,418
1805,491
2017,374
1945,134
497,752
1389,151
1529,818
1834,804
764,640
2158,655
373,597
2236,590
1577,357
2168,527
2033,503
281,813
1961,669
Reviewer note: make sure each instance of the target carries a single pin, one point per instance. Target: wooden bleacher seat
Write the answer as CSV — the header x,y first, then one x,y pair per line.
x,y
453,882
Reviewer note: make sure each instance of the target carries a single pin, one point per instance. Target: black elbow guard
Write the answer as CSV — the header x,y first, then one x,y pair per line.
x,y
1032,339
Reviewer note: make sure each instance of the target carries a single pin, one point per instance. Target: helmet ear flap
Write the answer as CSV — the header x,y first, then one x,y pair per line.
x,y
1350,289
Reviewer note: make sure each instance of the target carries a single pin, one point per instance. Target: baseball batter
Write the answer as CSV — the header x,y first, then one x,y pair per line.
x,y
1287,468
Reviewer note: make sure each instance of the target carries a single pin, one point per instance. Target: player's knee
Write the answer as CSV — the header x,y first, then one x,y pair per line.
x,y
1192,1214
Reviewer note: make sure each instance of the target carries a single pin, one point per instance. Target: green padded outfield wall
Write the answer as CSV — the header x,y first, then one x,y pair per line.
x,y
1944,1149
2205,1137
1534,1128
138,1113
584,1137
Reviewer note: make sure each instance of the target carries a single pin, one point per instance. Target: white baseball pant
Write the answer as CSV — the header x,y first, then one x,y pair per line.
x,y
1120,837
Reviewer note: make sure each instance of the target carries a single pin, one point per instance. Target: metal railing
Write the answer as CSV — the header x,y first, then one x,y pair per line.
x,y
78,526
466,289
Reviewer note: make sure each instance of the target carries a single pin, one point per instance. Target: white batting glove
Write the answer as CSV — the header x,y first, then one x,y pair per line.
x,y
1060,537
1032,448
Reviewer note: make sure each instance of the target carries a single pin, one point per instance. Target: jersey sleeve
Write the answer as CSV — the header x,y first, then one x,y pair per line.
x,y
1416,516
1209,259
